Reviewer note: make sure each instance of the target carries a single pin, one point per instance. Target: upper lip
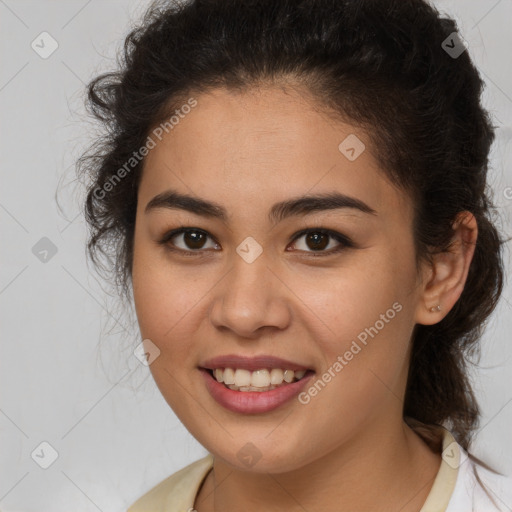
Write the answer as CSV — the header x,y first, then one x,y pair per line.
x,y
251,363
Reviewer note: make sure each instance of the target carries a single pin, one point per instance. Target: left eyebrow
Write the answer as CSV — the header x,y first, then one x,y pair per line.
x,y
303,205
306,205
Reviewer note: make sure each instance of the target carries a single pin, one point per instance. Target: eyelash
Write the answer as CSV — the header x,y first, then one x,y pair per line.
x,y
345,242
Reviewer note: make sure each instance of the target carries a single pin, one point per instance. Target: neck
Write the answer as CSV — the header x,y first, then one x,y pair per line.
x,y
388,469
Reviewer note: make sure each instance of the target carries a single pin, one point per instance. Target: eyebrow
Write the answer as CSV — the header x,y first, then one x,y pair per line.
x,y
303,205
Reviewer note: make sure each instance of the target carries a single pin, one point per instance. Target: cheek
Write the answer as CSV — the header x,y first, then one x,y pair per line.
x,y
348,300
170,303
160,296
164,304
363,316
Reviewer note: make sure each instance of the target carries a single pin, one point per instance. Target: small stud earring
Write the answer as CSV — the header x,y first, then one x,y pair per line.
x,y
434,309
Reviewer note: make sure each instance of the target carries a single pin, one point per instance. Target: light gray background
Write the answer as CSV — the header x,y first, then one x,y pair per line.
x,y
100,410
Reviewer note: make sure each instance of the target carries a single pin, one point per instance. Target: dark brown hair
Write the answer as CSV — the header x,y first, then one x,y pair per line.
x,y
379,64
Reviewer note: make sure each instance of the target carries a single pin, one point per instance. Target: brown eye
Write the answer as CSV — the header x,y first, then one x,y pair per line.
x,y
317,240
192,240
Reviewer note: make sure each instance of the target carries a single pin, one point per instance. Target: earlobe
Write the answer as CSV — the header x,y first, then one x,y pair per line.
x,y
448,272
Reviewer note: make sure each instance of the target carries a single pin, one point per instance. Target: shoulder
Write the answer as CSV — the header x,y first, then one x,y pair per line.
x,y
177,492
479,489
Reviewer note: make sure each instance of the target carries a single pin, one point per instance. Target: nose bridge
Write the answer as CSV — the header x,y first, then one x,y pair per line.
x,y
250,297
248,282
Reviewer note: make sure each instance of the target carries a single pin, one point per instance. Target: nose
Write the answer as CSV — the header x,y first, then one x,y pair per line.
x,y
251,300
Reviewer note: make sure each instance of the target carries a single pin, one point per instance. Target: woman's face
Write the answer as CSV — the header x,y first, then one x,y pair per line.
x,y
252,286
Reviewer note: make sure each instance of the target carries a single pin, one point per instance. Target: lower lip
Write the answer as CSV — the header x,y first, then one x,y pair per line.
x,y
252,402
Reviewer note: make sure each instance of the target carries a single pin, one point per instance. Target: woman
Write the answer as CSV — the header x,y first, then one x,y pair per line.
x,y
295,195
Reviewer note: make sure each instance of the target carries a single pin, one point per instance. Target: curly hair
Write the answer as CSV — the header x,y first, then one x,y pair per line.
x,y
379,64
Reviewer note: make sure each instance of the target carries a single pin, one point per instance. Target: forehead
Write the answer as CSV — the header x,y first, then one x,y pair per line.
x,y
265,145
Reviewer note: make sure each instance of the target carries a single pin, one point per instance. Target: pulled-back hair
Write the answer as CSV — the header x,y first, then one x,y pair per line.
x,y
378,64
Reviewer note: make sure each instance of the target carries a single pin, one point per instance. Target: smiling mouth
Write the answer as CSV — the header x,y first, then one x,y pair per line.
x,y
238,379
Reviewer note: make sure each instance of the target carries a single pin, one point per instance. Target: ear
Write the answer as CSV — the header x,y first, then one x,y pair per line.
x,y
445,277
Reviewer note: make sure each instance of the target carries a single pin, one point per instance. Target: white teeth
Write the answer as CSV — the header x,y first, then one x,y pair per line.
x,y
260,380
252,388
288,375
276,376
242,377
228,375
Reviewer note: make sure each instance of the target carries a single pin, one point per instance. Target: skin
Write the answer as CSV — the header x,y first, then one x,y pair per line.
x,y
348,448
